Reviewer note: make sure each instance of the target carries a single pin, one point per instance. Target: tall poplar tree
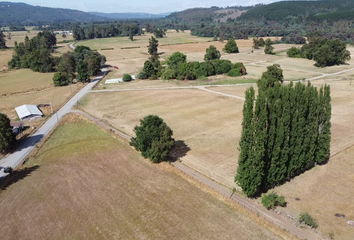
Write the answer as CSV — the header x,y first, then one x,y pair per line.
x,y
259,162
243,176
284,132
324,125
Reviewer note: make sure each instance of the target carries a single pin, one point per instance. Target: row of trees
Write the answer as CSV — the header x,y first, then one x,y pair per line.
x,y
35,53
106,30
324,51
112,30
286,129
83,61
179,68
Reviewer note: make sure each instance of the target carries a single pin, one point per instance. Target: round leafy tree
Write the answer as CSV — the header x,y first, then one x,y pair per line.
x,y
231,46
126,77
175,59
6,136
212,53
153,138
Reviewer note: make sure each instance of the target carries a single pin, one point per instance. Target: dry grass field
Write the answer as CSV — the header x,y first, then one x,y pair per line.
x,y
19,36
209,124
23,86
84,184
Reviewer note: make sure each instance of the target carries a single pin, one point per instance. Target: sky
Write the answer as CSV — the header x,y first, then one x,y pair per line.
x,y
147,6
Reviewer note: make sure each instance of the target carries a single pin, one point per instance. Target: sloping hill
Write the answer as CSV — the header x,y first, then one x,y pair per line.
x,y
132,15
312,10
21,13
207,15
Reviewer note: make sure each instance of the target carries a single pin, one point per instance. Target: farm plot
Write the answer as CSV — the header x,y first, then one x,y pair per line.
x,y
208,123
84,184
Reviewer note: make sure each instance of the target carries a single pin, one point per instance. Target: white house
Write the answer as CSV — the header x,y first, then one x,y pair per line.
x,y
26,112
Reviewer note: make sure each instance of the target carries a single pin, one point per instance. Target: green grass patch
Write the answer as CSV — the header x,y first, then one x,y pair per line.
x,y
83,101
73,138
65,41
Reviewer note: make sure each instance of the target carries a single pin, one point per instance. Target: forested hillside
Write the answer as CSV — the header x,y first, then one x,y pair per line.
x,y
205,15
310,10
21,13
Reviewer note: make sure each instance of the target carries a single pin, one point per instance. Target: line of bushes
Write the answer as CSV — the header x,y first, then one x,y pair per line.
x,y
129,47
178,68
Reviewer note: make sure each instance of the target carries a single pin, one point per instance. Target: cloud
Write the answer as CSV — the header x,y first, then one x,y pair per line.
x,y
82,7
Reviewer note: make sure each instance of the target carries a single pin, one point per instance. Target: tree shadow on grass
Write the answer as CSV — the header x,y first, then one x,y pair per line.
x,y
180,150
28,142
16,176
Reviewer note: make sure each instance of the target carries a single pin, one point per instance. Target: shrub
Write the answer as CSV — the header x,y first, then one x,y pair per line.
x,y
212,53
240,65
261,42
235,72
61,79
222,66
272,200
268,49
175,59
191,75
294,52
169,74
142,75
206,69
127,77
149,68
231,46
308,220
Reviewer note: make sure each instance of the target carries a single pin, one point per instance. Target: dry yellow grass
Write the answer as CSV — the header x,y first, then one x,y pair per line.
x,y
83,184
209,124
24,80
5,57
56,95
19,36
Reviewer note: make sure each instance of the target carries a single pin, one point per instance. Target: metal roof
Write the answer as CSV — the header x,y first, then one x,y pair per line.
x,y
27,110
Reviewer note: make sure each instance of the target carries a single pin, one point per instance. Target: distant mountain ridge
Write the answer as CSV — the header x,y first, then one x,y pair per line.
x,y
311,10
25,14
129,15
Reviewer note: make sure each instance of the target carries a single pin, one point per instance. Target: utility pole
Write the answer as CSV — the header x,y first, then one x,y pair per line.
x,y
51,107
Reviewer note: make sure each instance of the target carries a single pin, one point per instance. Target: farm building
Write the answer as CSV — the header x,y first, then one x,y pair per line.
x,y
17,127
26,112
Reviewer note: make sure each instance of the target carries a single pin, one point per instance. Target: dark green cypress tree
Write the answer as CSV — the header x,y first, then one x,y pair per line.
x,y
324,126
294,130
243,176
311,126
284,127
258,164
277,168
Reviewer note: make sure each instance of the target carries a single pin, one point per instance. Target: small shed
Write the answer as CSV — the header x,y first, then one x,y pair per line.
x,y
26,112
17,127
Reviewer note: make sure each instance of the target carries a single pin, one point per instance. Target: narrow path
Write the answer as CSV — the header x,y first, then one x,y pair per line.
x,y
202,87
271,216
